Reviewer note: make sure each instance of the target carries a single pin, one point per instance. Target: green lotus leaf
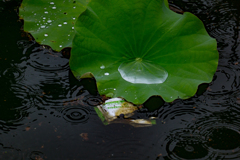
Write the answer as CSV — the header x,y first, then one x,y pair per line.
x,y
51,22
139,48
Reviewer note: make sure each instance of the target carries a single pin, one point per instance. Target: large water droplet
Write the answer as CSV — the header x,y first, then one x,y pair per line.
x,y
142,71
46,35
106,74
64,22
102,67
54,7
59,25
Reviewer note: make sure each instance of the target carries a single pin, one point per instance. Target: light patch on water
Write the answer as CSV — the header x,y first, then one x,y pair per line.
x,y
54,7
45,34
49,21
106,74
64,22
51,2
102,67
59,25
60,46
46,12
43,26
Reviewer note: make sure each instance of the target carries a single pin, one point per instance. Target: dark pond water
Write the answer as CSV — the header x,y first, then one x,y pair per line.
x,y
46,114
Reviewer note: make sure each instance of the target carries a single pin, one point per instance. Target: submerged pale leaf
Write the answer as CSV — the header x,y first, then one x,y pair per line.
x,y
139,48
51,22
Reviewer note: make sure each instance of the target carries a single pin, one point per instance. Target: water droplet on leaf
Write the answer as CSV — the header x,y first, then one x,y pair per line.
x,y
106,74
143,72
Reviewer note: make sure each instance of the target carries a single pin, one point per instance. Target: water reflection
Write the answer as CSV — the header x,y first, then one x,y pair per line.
x,y
186,145
10,153
36,155
211,137
76,115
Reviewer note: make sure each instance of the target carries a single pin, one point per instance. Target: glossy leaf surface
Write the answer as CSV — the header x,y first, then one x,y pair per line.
x,y
139,48
51,22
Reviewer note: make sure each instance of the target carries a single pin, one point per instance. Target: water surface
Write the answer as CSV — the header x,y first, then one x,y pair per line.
x,y
45,113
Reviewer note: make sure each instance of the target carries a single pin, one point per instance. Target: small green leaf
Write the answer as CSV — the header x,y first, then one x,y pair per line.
x,y
51,22
139,48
